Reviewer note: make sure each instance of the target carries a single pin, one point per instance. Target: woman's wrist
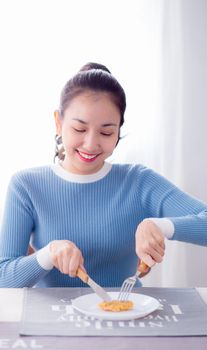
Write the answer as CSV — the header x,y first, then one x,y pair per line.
x,y
44,258
165,225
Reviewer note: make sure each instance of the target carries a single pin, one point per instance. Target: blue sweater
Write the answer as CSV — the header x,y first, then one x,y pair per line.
x,y
100,214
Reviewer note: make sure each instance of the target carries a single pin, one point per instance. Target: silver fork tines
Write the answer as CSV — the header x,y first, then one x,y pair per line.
x,y
127,287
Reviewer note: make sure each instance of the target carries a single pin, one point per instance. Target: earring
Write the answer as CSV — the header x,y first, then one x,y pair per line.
x,y
59,149
58,139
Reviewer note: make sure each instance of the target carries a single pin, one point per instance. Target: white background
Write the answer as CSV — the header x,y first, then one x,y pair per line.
x,y
158,52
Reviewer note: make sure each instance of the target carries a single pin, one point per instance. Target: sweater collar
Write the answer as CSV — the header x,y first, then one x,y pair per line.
x,y
71,177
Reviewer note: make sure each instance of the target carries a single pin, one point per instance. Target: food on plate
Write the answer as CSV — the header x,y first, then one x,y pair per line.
x,y
116,305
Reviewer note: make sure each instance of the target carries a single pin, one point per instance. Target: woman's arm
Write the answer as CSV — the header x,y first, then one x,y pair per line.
x,y
17,269
186,217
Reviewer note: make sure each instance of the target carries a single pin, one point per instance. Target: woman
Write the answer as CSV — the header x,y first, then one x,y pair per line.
x,y
84,212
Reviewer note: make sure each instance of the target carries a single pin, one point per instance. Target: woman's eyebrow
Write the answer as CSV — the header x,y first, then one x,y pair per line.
x,y
79,120
104,125
109,124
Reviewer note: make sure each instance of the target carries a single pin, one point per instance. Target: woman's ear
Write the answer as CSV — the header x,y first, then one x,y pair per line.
x,y
58,122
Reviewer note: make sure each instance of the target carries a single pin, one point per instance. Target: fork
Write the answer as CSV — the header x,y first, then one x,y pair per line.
x,y
129,283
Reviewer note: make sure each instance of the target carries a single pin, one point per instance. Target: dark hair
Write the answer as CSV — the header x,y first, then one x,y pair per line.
x,y
95,77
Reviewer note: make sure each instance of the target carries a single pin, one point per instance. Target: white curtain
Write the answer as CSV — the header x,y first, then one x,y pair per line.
x,y
156,49
172,137
183,129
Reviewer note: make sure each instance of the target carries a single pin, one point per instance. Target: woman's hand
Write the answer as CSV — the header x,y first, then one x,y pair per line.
x,y
66,257
150,243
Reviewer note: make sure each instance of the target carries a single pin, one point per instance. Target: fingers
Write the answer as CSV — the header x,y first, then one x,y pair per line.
x,y
148,260
150,245
157,237
75,261
66,257
83,268
153,245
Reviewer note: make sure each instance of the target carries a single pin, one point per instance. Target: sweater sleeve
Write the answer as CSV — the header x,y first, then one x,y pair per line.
x,y
162,199
17,269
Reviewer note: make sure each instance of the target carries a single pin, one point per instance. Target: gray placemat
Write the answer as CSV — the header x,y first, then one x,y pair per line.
x,y
49,312
10,339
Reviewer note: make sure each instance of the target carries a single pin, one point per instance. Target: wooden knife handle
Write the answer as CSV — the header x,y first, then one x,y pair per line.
x,y
82,275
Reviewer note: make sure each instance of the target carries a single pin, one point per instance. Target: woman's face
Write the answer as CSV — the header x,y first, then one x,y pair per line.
x,y
89,130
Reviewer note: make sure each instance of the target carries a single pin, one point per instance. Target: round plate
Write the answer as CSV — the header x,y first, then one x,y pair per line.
x,y
88,305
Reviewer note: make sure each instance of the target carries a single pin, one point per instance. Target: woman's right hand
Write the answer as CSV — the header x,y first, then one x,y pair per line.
x,y
66,257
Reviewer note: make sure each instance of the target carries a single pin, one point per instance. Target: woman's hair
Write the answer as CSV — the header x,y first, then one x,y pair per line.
x,y
95,77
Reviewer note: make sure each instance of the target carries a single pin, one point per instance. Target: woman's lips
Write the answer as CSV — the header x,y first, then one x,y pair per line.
x,y
86,157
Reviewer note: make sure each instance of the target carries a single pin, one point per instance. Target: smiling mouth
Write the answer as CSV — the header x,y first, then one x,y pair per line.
x,y
87,157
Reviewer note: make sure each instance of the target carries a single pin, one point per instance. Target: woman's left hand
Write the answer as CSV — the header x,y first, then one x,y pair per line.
x,y
150,243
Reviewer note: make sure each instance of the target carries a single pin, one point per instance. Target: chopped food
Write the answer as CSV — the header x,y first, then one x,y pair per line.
x,y
116,305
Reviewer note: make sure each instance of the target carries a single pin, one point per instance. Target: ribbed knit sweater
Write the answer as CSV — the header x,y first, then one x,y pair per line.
x,y
99,213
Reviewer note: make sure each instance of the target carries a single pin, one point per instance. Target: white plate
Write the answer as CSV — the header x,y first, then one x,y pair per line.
x,y
88,305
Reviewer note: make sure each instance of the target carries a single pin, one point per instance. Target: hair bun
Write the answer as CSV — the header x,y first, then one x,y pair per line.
x,y
93,65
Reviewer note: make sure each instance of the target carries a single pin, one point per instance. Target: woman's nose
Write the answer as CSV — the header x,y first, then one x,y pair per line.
x,y
91,141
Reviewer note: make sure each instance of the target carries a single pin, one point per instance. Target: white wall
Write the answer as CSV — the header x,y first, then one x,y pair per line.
x,y
44,42
183,147
156,49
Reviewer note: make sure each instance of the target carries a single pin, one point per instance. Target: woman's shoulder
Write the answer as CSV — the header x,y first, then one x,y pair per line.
x,y
127,168
139,172
31,173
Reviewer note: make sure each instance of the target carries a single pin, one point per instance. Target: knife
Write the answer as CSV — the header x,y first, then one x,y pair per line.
x,y
96,287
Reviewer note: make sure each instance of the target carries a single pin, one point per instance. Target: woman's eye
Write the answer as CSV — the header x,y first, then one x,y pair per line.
x,y
106,134
79,130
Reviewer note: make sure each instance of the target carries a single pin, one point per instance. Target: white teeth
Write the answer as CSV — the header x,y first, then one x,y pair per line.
x,y
87,156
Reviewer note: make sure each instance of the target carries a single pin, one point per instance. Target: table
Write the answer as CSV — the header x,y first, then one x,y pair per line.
x,y
11,300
